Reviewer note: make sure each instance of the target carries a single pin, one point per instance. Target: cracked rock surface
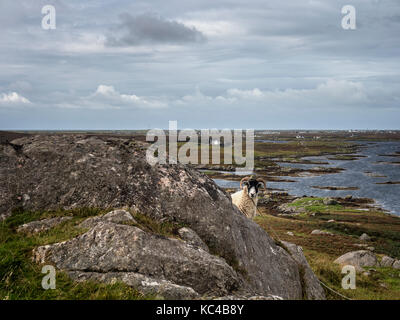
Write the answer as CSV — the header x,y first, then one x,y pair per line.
x,y
77,171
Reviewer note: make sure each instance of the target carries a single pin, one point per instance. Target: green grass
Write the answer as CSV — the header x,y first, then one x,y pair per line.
x,y
313,205
20,278
321,251
165,228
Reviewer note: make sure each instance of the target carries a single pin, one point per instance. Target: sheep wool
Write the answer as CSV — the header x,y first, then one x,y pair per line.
x,y
245,204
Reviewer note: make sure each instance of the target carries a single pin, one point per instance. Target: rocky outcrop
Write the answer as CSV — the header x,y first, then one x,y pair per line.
x,y
75,171
387,261
124,252
358,259
312,289
116,216
42,225
288,209
149,286
192,238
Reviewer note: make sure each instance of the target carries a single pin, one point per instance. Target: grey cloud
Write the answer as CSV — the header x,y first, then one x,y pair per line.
x,y
146,28
286,49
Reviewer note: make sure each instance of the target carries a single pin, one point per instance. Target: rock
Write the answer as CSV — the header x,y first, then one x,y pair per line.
x,y
290,233
313,289
365,237
149,286
116,216
396,264
366,273
371,248
387,261
111,248
192,238
83,171
42,225
358,259
348,198
330,221
329,201
291,210
321,232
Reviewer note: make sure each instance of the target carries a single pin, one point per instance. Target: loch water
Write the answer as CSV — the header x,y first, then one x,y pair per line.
x,y
377,160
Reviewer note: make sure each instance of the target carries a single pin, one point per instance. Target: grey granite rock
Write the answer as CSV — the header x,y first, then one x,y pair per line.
x,y
42,225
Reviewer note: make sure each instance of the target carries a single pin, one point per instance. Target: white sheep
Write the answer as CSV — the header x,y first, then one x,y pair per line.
x,y
246,199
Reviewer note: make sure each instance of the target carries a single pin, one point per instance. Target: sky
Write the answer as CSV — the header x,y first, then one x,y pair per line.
x,y
235,64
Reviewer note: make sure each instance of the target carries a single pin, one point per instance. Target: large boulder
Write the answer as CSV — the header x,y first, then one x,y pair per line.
x,y
116,248
74,171
358,259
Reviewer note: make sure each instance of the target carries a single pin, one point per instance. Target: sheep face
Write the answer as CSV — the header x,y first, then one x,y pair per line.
x,y
252,187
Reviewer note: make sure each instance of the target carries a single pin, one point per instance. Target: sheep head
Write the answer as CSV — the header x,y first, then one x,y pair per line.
x,y
251,185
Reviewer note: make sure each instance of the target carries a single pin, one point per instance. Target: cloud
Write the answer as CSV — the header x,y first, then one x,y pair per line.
x,y
333,92
329,94
106,97
146,28
12,98
266,63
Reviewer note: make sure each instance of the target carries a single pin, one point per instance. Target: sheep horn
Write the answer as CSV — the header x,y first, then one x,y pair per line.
x,y
263,182
243,179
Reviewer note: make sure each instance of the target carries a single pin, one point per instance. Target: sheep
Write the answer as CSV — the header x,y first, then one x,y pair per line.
x,y
246,199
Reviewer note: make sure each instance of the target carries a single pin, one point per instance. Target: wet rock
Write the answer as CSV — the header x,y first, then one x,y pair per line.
x,y
192,238
42,225
365,237
387,261
358,259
